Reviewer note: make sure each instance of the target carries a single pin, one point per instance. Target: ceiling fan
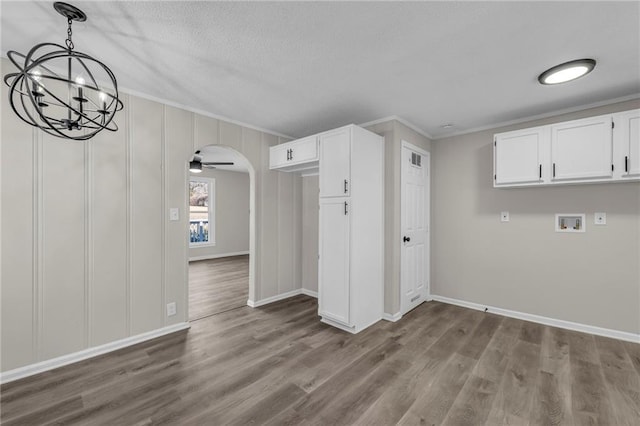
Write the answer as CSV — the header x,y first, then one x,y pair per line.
x,y
196,165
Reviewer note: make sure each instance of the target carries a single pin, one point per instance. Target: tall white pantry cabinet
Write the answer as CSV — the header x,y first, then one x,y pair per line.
x,y
350,275
350,164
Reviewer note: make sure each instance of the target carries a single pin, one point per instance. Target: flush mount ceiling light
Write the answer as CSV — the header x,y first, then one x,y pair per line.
x,y
566,72
76,101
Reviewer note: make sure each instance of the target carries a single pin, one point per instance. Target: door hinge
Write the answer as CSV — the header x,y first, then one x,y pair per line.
x,y
612,167
495,177
613,125
494,143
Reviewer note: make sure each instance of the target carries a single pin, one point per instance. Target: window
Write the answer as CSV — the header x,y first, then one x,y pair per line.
x,y
201,211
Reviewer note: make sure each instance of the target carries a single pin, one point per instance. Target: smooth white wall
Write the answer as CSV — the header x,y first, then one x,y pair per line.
x,y
591,278
231,215
88,253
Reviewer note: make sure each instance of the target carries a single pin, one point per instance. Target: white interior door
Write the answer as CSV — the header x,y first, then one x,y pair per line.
x,y
414,273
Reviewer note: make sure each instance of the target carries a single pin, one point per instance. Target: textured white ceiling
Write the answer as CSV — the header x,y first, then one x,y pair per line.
x,y
298,68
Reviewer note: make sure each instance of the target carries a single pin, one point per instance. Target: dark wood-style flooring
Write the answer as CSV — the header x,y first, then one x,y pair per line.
x,y
217,285
278,365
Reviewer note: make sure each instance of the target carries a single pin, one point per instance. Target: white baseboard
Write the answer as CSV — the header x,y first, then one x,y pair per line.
x,y
256,303
310,293
278,297
50,364
584,328
391,317
216,256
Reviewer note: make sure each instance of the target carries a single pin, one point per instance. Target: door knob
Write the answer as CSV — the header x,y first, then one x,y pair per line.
x,y
406,239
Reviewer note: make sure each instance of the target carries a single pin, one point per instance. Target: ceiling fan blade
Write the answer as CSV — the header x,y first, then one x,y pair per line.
x,y
217,163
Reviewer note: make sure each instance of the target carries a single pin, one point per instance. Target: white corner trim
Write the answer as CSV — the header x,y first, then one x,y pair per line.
x,y
584,328
50,364
216,256
549,114
392,317
310,293
400,120
262,302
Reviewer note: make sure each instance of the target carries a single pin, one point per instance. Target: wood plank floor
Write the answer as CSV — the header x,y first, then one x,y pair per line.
x,y
217,285
278,365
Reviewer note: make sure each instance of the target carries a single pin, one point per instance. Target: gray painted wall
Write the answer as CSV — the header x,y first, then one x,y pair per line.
x,y
310,217
591,278
231,214
88,253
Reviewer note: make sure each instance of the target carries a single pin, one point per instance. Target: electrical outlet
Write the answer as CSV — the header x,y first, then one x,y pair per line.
x,y
174,214
504,216
600,218
171,309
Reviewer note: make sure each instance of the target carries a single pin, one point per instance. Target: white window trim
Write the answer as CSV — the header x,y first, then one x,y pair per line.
x,y
212,219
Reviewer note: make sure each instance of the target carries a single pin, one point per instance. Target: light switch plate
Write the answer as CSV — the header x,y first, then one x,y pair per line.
x,y
171,309
600,218
174,213
504,216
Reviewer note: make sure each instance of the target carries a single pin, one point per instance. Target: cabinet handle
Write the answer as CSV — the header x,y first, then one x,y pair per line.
x,y
626,164
540,171
346,186
554,169
346,208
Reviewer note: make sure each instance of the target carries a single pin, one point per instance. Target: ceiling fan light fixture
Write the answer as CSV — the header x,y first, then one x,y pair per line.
x,y
567,71
62,91
195,166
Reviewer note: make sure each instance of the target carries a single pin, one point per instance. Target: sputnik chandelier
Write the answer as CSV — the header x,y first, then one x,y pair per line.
x,y
64,92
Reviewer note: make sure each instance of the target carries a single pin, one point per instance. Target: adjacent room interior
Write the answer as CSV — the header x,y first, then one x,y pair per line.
x,y
219,189
320,213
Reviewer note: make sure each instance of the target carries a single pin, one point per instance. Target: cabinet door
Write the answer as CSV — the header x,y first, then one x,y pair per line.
x,y
627,132
582,149
335,163
518,155
303,150
333,265
278,156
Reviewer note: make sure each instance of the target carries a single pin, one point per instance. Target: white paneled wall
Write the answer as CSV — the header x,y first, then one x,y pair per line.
x,y
89,256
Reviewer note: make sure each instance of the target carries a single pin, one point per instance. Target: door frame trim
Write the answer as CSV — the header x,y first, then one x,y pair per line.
x,y
427,154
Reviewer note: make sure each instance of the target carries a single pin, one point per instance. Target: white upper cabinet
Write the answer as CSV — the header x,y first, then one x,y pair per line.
x,y
598,149
627,137
582,149
335,163
518,156
298,155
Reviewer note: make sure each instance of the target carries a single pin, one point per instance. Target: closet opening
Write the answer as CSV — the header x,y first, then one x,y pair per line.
x,y
221,236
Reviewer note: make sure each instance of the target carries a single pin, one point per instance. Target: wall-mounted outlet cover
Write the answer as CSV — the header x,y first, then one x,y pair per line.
x,y
171,309
600,218
504,216
174,214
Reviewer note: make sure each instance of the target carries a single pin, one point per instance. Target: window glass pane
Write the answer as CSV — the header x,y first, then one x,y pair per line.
x,y
198,212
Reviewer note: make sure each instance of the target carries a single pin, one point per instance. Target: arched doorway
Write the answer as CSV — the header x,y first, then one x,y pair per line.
x,y
221,202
